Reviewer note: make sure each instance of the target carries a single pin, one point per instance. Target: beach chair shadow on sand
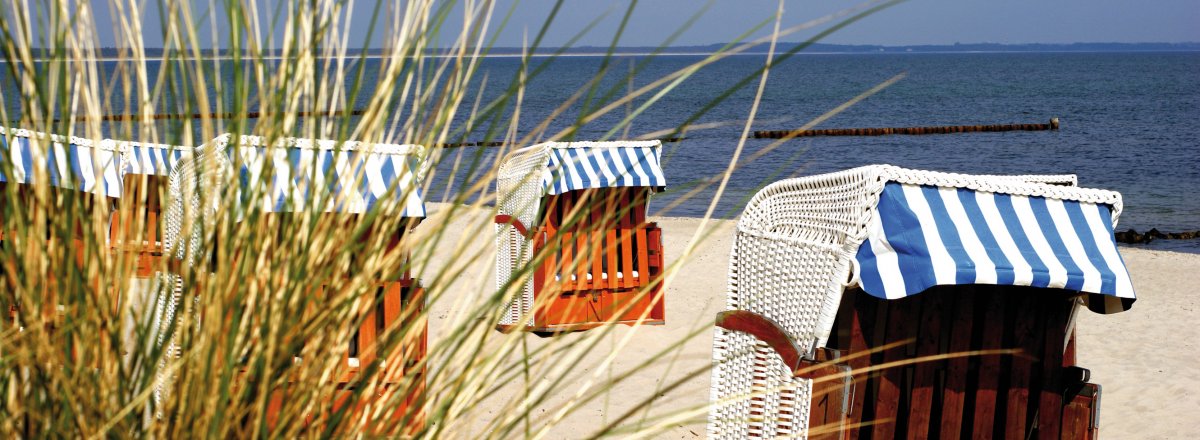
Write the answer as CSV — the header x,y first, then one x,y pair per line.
x,y
333,185
576,212
882,302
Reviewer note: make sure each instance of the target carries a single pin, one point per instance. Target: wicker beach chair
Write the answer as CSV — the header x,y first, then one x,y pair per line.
x,y
341,182
77,172
825,335
580,208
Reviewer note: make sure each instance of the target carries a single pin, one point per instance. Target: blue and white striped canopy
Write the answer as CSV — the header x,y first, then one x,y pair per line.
x,y
71,163
924,236
153,159
582,165
350,178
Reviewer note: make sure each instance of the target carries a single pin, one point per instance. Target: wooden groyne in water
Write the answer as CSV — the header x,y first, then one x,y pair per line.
x,y
945,129
501,144
1134,237
229,115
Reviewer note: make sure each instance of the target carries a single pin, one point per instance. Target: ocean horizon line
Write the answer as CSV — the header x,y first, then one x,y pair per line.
x,y
646,54
118,54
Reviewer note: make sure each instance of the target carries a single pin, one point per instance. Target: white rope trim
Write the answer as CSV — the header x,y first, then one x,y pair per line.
x,y
601,144
225,140
103,144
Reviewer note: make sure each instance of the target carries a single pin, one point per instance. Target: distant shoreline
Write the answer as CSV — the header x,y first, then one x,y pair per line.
x,y
114,54
667,54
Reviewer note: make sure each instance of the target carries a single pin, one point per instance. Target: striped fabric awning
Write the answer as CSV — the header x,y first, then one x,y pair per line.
x,y
153,159
65,162
350,178
923,236
582,165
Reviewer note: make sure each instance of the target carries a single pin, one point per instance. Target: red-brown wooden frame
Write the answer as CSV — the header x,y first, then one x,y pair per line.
x,y
401,298
1038,391
594,232
143,194
49,294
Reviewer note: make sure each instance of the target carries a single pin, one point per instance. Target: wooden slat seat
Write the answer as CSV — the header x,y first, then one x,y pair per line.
x,y
396,299
142,193
602,261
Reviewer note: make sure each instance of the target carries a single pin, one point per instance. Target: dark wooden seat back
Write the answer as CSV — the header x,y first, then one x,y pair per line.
x,y
1034,392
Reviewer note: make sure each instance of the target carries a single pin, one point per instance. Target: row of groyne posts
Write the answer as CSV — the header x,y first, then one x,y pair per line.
x,y
1130,236
760,134
885,131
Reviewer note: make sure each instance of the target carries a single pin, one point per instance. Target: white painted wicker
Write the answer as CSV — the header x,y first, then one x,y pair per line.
x,y
791,260
192,199
519,190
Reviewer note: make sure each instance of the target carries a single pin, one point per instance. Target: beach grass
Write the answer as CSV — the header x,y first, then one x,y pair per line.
x,y
265,316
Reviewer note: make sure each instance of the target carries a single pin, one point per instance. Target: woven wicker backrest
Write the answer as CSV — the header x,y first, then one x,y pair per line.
x,y
793,246
519,190
791,255
193,190
792,258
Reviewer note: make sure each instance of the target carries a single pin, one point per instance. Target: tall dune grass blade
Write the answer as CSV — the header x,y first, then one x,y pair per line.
x,y
234,317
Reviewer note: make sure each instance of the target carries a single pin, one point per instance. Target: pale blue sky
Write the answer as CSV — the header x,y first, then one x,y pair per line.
x,y
910,23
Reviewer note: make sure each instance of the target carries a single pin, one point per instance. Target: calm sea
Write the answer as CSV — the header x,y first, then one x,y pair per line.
x,y
1130,121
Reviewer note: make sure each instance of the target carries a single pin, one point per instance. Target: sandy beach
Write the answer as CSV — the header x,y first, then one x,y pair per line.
x,y
1143,358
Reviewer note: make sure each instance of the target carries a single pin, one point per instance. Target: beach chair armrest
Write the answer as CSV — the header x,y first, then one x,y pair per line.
x,y
505,219
765,330
773,335
1076,375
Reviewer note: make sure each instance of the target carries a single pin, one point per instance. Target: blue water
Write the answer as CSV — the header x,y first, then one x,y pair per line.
x,y
1129,121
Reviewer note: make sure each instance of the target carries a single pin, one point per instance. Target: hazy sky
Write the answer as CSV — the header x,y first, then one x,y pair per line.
x,y
910,23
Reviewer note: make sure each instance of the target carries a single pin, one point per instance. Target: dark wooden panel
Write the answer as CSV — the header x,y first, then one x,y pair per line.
x,y
924,385
988,373
858,313
1079,415
1049,407
978,396
828,412
955,389
890,395
1027,317
1069,352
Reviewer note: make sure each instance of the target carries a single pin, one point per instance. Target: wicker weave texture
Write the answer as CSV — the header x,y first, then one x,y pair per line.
x,y
759,397
519,187
187,218
791,260
791,254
